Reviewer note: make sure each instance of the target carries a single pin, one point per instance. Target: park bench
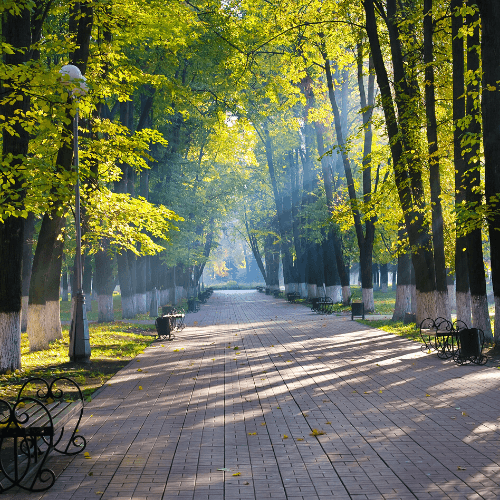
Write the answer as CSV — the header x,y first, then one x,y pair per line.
x,y
438,335
45,417
276,293
453,340
260,289
171,321
321,304
205,295
292,297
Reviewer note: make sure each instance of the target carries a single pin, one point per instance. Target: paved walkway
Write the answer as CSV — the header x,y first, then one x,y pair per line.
x,y
244,386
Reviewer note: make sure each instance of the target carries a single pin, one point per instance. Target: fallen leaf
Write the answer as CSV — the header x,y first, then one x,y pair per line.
x,y
285,436
90,473
300,439
195,323
380,392
252,433
464,414
461,468
316,432
140,387
278,408
139,369
427,395
328,423
246,482
263,423
237,474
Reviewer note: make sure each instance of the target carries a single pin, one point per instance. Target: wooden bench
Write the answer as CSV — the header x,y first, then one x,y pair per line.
x,y
44,417
292,297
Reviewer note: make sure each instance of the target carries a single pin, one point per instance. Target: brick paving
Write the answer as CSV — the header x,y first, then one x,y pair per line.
x,y
244,386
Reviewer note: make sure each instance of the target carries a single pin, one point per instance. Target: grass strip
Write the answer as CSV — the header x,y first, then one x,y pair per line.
x,y
113,345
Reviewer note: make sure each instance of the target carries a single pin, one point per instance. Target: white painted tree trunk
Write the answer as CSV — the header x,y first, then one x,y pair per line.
x,y
312,291
452,297
346,294
303,290
481,315
53,329
442,305
426,306
105,313
414,299
334,292
36,327
463,306
24,313
403,302
10,340
368,299
321,291
128,309
141,302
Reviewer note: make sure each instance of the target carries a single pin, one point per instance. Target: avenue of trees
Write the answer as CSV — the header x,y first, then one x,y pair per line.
x,y
329,133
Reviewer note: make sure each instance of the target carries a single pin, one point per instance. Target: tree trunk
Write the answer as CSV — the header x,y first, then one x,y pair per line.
x,y
104,283
462,294
15,32
384,277
126,291
473,195
443,308
405,155
403,290
29,230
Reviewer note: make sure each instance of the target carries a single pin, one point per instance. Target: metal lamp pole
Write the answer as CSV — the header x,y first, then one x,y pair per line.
x,y
79,340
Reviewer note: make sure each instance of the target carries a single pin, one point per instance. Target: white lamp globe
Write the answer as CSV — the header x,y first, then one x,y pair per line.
x,y
72,74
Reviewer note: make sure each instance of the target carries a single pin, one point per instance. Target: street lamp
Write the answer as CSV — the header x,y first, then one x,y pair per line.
x,y
79,341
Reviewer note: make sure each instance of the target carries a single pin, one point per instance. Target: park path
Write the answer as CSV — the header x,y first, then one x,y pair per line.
x,y
243,387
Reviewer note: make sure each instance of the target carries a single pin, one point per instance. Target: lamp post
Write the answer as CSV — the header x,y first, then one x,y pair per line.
x,y
79,341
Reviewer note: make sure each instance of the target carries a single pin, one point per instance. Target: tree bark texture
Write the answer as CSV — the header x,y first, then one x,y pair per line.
x,y
463,300
16,32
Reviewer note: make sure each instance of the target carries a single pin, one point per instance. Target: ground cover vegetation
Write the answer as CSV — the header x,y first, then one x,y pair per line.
x,y
320,134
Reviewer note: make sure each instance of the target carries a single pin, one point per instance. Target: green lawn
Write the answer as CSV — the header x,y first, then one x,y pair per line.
x,y
113,345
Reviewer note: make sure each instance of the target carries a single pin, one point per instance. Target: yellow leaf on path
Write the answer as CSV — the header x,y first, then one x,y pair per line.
x,y
366,392
138,360
237,474
464,414
427,395
139,369
461,468
252,433
300,439
285,436
380,392
140,387
50,401
195,323
278,408
263,423
328,423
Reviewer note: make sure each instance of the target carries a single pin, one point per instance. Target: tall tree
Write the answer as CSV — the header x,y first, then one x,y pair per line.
x,y
16,32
